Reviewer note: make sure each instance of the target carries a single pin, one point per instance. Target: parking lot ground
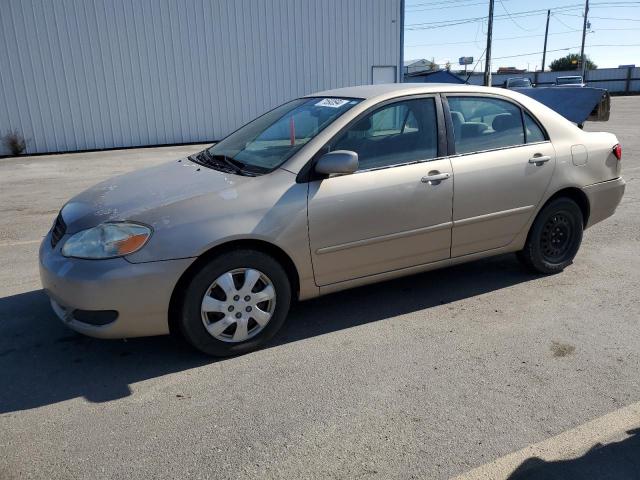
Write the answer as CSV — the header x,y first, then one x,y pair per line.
x,y
481,370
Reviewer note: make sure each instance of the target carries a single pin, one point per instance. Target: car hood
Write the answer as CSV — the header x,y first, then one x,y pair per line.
x,y
144,194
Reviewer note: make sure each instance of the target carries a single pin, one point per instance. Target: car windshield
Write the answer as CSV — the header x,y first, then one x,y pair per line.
x,y
268,141
519,82
568,80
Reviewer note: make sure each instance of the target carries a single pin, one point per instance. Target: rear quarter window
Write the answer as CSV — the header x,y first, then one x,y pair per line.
x,y
534,132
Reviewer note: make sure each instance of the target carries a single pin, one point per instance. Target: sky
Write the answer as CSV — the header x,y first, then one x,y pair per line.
x,y
445,30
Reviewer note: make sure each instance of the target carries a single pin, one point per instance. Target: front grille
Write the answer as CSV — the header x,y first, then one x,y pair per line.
x,y
58,230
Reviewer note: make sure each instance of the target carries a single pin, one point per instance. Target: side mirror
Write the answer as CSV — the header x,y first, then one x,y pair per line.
x,y
338,162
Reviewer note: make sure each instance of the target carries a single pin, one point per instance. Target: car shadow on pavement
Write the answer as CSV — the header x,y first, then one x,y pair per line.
x,y
359,306
619,460
43,362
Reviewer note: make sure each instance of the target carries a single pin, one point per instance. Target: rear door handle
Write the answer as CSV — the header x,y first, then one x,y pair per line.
x,y
539,159
435,178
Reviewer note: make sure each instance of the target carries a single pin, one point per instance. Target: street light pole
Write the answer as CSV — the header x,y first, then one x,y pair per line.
x,y
487,64
546,35
584,36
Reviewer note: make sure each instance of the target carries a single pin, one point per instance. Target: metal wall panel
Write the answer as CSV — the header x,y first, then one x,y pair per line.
x,y
613,85
606,74
91,74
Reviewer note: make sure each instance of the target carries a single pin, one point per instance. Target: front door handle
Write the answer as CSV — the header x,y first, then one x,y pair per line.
x,y
435,177
539,159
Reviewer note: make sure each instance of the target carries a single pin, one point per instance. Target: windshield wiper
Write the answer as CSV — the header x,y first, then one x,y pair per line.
x,y
236,166
217,162
202,159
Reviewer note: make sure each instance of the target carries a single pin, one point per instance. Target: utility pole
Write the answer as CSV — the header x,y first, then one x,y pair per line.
x,y
487,63
584,36
546,34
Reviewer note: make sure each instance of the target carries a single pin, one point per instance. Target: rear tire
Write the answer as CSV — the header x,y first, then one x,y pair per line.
x,y
235,303
554,238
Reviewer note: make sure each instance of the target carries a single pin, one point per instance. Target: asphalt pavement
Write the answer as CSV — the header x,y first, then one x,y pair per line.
x,y
481,370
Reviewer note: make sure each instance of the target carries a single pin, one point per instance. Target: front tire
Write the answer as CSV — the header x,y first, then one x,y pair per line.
x,y
235,303
554,238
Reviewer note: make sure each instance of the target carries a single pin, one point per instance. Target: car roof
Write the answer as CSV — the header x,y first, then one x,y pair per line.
x,y
390,90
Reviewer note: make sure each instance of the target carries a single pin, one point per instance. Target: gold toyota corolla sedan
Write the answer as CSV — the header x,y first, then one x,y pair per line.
x,y
330,191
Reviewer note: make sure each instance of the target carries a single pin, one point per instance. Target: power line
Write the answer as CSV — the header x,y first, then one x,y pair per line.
x,y
482,19
520,36
613,29
445,23
528,13
456,3
559,20
475,66
603,18
439,6
495,39
513,20
572,6
447,7
567,9
568,48
441,2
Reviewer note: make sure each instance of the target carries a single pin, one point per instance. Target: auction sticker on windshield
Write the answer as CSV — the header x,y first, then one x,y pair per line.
x,y
332,102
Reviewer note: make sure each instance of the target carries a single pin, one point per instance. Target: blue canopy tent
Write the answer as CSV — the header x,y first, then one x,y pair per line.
x,y
437,76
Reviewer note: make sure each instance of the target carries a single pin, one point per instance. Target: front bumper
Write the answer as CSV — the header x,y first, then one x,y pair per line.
x,y
604,198
138,292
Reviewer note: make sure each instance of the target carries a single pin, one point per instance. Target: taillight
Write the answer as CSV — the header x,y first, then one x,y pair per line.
x,y
617,151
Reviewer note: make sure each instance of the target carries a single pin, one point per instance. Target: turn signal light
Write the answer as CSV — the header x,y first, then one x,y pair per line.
x,y
617,151
130,244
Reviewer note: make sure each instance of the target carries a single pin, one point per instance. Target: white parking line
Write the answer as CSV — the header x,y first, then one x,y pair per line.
x,y
23,242
566,445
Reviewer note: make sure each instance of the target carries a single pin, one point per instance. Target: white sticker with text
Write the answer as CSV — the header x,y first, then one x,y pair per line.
x,y
332,102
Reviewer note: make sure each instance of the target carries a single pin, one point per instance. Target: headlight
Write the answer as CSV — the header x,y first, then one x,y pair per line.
x,y
108,240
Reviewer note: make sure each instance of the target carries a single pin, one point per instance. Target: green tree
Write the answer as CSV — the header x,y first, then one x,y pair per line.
x,y
571,62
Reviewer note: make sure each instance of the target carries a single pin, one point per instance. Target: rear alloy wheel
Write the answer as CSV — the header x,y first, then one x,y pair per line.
x,y
554,238
235,303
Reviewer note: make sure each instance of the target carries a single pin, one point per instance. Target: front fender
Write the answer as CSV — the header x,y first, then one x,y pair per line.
x,y
273,214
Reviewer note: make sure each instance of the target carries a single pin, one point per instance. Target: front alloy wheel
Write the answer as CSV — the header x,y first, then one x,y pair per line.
x,y
235,303
238,305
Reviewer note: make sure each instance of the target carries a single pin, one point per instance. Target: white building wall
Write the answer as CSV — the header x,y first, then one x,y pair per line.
x,y
92,74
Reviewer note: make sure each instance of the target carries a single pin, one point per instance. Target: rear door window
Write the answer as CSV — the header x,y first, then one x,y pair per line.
x,y
485,123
